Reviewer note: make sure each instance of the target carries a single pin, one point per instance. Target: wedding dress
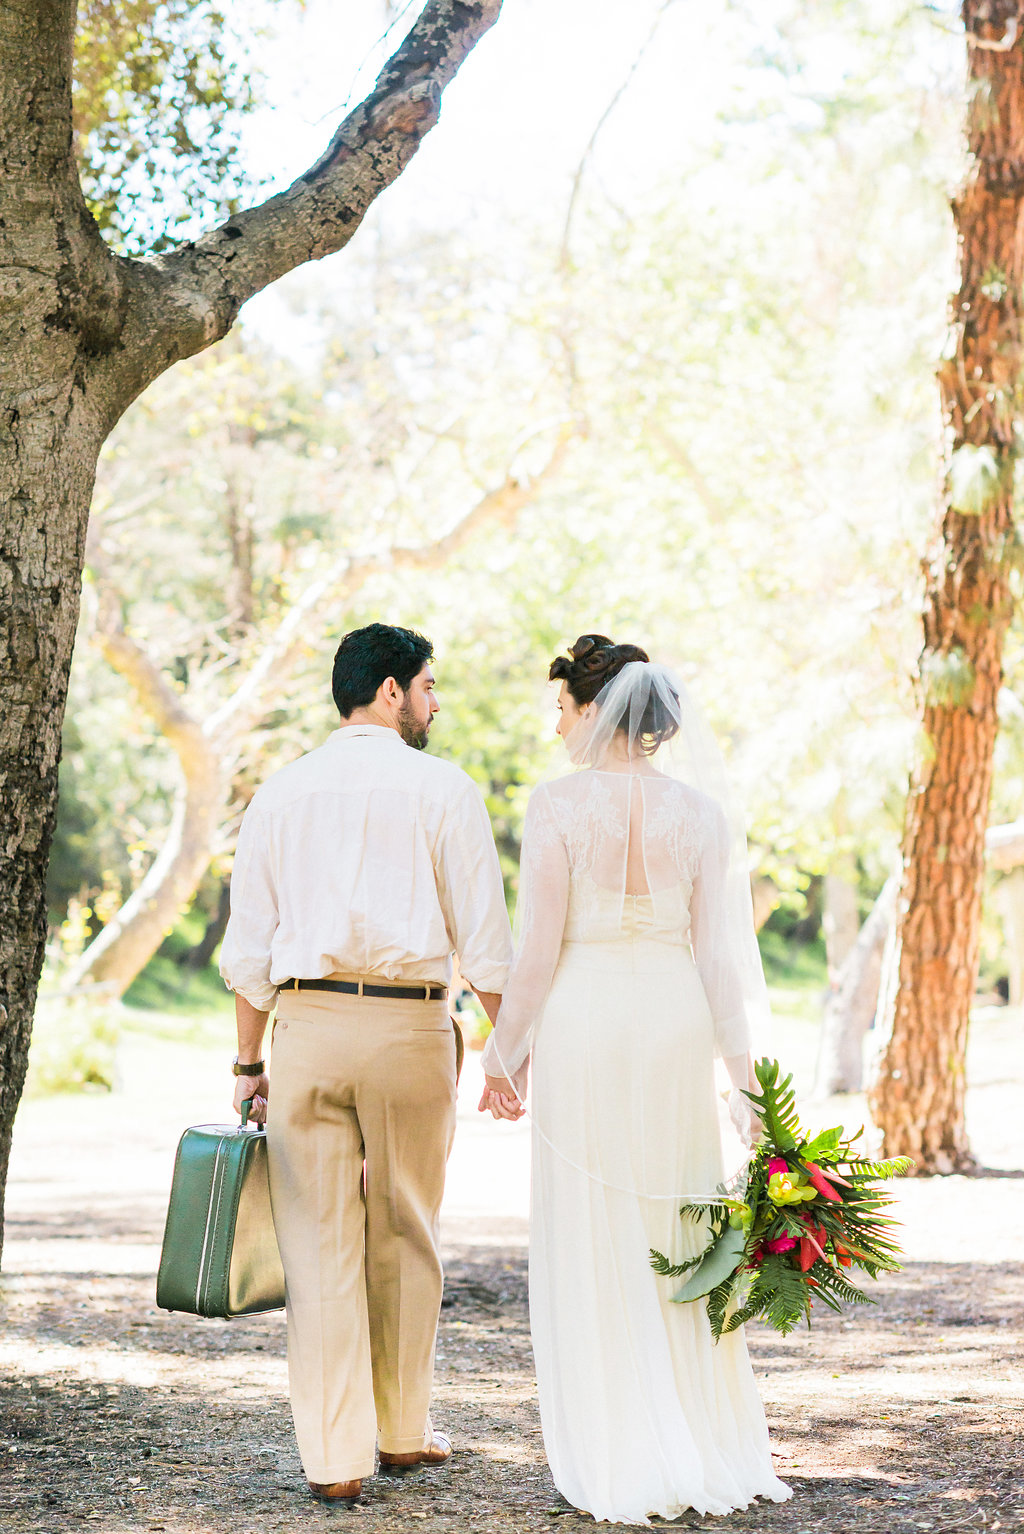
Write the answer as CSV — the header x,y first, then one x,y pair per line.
x,y
625,995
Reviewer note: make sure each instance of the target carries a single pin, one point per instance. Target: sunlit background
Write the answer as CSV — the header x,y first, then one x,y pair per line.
x,y
642,342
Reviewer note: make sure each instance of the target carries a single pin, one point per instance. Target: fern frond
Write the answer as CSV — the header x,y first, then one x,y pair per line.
x,y
666,1269
776,1106
896,1166
837,1284
718,1303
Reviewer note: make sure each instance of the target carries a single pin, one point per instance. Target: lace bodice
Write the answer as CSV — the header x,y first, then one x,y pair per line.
x,y
598,915
611,856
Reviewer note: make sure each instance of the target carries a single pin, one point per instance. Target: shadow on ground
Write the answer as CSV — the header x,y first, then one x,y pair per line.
x,y
121,1418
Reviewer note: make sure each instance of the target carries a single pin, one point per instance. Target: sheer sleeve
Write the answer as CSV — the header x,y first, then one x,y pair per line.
x,y
724,942
540,922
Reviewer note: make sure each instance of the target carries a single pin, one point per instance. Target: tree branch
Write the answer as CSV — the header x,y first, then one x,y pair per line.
x,y
498,507
189,299
132,936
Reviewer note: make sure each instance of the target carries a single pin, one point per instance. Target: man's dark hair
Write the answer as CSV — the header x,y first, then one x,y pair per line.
x,y
367,657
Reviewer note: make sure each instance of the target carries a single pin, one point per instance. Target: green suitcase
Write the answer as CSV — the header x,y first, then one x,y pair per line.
x,y
220,1255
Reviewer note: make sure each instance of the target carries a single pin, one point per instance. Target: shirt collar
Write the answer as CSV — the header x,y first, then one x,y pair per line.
x,y
351,731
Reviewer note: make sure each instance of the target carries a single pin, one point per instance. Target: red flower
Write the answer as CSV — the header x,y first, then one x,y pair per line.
x,y
812,1245
819,1181
777,1164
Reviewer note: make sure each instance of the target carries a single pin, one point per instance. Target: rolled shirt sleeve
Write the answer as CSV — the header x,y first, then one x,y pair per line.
x,y
246,951
471,892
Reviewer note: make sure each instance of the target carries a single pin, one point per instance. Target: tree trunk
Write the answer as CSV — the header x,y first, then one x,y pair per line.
x,y
918,1098
56,297
82,333
840,919
852,1003
199,957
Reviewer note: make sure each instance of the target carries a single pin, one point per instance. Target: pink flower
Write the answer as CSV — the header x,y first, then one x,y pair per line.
x,y
776,1164
781,1244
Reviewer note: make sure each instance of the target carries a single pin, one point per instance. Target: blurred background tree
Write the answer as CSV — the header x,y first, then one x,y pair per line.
x,y
710,380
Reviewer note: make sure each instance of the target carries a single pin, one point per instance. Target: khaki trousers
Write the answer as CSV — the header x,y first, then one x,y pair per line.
x,y
359,1078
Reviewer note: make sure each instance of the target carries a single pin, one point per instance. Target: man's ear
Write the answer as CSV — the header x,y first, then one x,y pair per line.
x,y
391,690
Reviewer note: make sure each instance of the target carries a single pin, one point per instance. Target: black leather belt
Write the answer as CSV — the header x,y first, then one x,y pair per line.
x,y
364,988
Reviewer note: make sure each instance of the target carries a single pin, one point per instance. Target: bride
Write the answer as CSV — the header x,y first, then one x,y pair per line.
x,y
636,966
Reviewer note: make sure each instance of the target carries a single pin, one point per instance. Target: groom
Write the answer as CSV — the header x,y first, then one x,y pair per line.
x,y
360,868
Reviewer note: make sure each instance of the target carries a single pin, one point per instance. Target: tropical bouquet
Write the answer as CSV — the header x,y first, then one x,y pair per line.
x,y
811,1211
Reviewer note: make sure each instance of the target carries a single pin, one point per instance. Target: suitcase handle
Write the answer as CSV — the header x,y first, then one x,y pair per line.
x,y
245,1110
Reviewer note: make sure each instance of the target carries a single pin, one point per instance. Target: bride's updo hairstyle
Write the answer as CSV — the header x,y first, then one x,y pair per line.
x,y
591,664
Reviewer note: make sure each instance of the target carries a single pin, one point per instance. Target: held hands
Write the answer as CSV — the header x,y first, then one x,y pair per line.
x,y
499,1095
256,1087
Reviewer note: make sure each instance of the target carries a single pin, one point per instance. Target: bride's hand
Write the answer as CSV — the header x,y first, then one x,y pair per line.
x,y
745,1120
499,1095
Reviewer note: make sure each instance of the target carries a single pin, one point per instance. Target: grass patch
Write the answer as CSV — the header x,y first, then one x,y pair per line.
x,y
797,975
165,986
74,1046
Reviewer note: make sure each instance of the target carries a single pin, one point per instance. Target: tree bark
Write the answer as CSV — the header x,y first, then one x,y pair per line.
x,y
82,333
840,919
918,1098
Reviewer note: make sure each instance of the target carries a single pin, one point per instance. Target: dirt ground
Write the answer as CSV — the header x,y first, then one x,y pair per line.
x,y
115,1416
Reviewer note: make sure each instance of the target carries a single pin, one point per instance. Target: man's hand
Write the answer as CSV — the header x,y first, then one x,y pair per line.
x,y
256,1087
252,1025
499,1095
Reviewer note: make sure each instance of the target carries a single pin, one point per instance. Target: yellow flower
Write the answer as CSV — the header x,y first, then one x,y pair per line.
x,y
790,1188
742,1218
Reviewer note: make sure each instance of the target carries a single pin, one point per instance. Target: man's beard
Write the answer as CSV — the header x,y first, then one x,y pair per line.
x,y
411,730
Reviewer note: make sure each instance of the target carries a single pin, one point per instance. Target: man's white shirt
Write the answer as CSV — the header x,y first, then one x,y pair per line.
x,y
365,857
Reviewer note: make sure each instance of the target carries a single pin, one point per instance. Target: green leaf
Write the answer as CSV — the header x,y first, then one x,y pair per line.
x,y
898,1166
822,1146
776,1105
717,1265
666,1269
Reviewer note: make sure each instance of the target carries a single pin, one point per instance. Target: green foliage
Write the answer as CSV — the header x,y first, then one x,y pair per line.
x,y
161,87
776,1105
749,351
666,1269
168,984
790,963
788,1249
823,1146
897,1166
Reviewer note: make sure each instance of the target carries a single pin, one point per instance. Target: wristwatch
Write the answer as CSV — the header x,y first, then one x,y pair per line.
x,y
255,1069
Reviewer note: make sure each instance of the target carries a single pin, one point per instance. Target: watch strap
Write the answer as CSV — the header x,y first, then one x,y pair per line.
x,y
255,1069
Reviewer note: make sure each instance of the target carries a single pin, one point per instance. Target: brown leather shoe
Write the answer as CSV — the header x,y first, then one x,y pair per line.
x,y
439,1452
345,1492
